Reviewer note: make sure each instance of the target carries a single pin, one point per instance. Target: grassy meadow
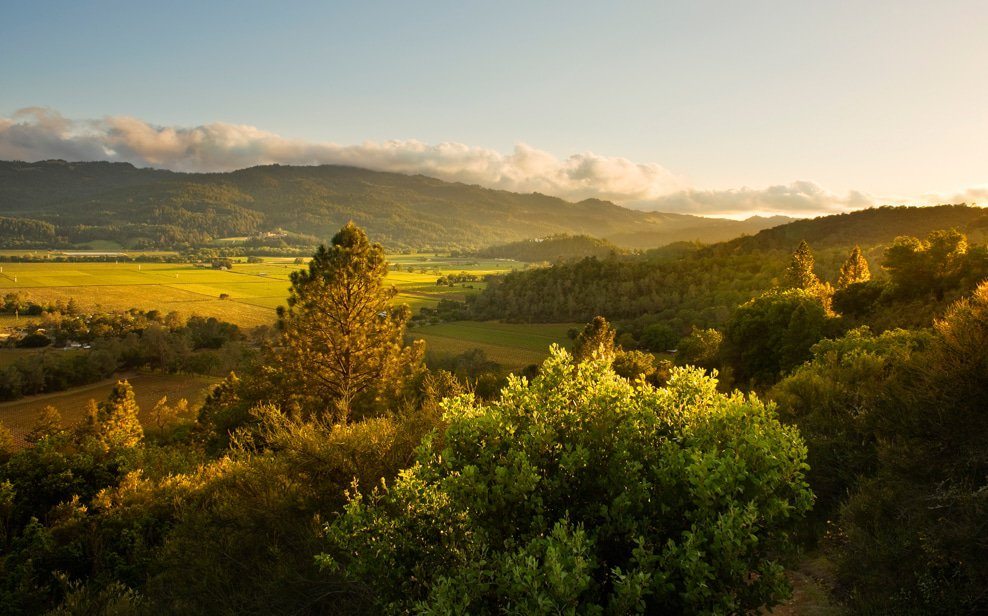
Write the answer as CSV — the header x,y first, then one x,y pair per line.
x,y
251,291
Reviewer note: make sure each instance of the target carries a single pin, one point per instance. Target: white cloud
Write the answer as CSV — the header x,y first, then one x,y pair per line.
x,y
796,199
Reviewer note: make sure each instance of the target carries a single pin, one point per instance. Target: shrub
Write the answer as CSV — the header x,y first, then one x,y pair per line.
x,y
580,492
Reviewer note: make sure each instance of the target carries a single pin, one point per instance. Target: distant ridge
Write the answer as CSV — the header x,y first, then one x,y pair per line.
x,y
89,201
868,227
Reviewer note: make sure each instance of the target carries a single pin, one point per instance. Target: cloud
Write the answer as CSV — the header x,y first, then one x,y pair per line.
x,y
795,199
975,195
37,133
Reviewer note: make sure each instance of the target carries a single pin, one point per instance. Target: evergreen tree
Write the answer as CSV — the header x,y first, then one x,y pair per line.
x,y
114,422
854,270
799,274
342,342
596,341
48,423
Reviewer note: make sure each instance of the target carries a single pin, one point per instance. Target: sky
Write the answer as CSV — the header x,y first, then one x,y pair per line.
x,y
714,108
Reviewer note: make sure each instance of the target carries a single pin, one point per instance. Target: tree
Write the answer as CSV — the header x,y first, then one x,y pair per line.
x,y
596,341
48,423
580,492
773,333
836,399
114,423
342,342
799,274
918,267
701,349
931,480
6,444
854,270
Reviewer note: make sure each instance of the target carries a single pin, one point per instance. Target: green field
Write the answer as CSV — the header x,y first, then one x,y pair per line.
x,y
253,290
513,345
20,415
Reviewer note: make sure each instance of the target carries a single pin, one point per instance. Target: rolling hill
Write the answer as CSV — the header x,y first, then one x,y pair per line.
x,y
143,208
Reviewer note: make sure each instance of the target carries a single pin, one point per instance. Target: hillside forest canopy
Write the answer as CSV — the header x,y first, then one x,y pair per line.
x,y
722,413
280,209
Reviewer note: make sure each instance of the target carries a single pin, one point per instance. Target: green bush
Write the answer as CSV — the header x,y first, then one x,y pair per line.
x,y
773,333
580,492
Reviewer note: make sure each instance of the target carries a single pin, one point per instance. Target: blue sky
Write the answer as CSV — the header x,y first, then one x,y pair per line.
x,y
865,102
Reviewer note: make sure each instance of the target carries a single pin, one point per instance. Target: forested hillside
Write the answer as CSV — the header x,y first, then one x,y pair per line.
x,y
145,208
552,248
688,286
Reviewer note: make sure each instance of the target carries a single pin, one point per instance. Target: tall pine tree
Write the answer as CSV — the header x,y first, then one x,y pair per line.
x,y
799,274
854,270
596,341
114,423
341,347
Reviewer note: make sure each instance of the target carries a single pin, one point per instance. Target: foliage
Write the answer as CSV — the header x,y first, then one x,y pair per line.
x,y
246,526
855,270
596,341
342,342
838,399
915,531
113,423
773,333
51,522
701,348
799,274
580,492
925,266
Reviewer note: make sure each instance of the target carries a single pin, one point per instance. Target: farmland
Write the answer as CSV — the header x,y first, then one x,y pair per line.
x,y
250,291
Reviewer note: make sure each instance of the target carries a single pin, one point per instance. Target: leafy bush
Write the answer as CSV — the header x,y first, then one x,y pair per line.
x,y
581,492
837,399
773,333
916,536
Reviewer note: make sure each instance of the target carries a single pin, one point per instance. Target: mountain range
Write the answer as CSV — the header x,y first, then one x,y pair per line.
x,y
71,203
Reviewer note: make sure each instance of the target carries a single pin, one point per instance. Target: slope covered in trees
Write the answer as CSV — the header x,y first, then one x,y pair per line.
x,y
552,248
156,208
688,286
868,227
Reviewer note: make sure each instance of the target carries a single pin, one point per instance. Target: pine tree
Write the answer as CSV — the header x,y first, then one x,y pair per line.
x,y
342,342
114,422
799,274
854,270
48,423
596,341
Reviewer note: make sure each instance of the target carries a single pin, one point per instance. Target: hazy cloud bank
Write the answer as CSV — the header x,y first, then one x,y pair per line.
x,y
37,133
797,199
